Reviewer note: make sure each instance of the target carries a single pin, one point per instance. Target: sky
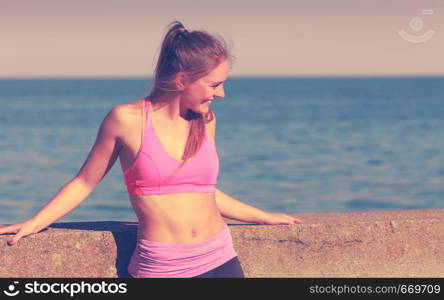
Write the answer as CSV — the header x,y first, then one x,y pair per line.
x,y
110,38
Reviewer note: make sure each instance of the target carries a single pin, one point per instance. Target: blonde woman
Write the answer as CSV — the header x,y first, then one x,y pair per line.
x,y
165,144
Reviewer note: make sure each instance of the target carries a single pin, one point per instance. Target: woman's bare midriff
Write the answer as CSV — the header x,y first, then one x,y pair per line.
x,y
177,218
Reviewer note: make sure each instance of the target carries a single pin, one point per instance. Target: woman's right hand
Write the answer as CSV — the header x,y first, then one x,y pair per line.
x,y
21,229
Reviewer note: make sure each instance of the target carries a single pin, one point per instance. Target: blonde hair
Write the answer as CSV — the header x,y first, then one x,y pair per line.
x,y
195,53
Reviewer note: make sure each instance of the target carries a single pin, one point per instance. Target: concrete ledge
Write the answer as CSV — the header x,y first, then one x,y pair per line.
x,y
407,243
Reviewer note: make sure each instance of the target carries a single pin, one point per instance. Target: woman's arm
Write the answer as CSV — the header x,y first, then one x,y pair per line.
x,y
99,161
234,209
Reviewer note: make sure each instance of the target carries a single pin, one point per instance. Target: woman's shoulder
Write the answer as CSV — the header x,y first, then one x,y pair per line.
x,y
127,112
122,118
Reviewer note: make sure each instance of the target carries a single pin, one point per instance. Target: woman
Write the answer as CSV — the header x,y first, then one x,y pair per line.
x,y
165,144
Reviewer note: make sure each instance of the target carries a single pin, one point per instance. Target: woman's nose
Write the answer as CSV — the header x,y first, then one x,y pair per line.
x,y
220,93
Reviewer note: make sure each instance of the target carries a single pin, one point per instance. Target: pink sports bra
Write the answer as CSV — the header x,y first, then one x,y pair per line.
x,y
154,170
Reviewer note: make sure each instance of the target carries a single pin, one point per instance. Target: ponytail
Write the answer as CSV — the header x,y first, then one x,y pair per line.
x,y
195,53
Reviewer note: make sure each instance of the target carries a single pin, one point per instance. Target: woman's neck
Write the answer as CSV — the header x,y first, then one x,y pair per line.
x,y
169,107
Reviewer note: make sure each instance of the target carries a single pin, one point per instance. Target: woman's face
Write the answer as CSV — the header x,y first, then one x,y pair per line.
x,y
198,95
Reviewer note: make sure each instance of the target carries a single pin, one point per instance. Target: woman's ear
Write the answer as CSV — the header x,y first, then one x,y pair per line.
x,y
181,81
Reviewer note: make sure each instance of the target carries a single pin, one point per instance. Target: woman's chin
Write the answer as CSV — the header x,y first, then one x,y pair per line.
x,y
203,108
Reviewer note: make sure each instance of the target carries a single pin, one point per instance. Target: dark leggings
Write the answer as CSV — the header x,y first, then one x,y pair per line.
x,y
230,269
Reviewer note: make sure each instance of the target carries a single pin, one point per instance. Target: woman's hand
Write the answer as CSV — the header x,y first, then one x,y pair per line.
x,y
279,218
20,229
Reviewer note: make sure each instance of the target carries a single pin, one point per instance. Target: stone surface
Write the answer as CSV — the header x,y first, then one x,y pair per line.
x,y
405,243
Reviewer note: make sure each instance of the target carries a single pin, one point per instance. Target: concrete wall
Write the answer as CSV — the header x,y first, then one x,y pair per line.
x,y
407,243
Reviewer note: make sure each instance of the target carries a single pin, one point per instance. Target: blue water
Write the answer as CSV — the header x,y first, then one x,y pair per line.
x,y
296,145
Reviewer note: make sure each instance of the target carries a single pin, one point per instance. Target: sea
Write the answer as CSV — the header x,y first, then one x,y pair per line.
x,y
286,144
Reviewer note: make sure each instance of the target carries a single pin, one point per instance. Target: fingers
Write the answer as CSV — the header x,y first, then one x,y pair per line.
x,y
16,238
284,219
288,219
8,229
292,220
297,221
19,231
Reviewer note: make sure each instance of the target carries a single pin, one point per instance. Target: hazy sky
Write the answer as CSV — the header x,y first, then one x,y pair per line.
x,y
52,38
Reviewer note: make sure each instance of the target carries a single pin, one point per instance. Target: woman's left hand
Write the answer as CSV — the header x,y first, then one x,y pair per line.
x,y
280,218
